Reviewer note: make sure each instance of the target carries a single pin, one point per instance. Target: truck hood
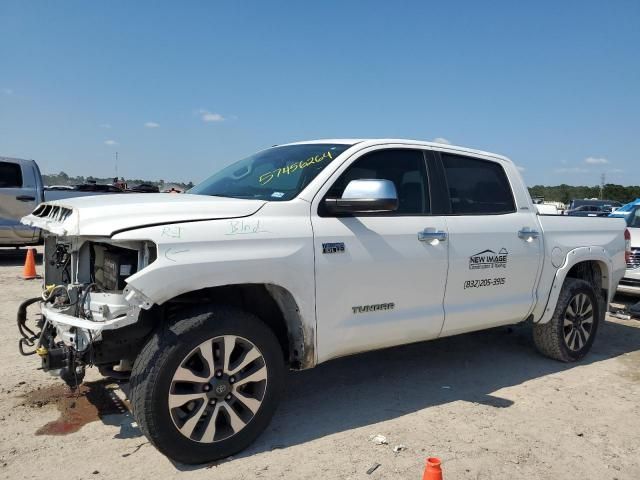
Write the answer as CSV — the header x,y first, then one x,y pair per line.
x,y
103,215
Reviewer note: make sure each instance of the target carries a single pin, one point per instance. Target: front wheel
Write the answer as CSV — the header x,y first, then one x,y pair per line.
x,y
207,385
569,334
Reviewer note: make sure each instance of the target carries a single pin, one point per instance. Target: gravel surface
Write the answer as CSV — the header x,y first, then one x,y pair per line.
x,y
485,403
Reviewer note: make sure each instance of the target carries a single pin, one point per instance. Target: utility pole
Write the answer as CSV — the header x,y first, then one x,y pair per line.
x,y
602,180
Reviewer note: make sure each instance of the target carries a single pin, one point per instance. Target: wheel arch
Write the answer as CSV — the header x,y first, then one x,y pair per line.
x,y
592,271
273,304
591,264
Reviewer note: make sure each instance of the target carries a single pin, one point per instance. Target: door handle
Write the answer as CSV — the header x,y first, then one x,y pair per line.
x,y
25,198
430,234
528,234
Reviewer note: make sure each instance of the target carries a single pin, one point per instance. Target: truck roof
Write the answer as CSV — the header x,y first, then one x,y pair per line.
x,y
21,161
378,141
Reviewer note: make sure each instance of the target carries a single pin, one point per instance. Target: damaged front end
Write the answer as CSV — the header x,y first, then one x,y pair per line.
x,y
89,315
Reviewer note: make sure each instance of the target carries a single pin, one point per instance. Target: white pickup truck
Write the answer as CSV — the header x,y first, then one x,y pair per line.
x,y
297,255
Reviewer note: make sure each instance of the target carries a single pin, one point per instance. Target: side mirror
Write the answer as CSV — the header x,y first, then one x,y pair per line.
x,y
362,196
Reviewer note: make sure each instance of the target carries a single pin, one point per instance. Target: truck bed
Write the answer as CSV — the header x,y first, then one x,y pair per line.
x,y
564,236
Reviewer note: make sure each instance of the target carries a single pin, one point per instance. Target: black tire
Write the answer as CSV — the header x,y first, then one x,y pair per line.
x,y
155,366
558,340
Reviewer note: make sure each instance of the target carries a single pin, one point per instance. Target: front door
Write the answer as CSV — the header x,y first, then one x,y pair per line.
x,y
494,248
378,282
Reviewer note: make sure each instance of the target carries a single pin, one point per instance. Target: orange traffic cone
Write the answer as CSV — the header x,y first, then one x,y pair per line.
x,y
432,471
29,271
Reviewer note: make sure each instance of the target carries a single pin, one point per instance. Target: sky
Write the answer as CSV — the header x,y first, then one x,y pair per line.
x,y
180,89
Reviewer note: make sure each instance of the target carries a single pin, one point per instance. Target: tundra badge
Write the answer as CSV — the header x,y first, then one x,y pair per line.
x,y
333,247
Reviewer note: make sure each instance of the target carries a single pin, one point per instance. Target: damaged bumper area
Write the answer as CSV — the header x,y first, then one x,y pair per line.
x,y
106,311
88,314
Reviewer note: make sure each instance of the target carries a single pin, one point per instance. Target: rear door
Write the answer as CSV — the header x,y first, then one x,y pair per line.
x,y
494,247
18,197
379,280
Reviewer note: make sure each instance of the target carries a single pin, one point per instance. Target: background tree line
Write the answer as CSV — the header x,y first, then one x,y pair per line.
x,y
63,179
564,193
559,193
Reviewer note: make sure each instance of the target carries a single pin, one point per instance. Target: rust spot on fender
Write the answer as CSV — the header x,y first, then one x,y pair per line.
x,y
309,355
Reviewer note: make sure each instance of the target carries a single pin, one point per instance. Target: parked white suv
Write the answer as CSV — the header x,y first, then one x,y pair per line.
x,y
297,255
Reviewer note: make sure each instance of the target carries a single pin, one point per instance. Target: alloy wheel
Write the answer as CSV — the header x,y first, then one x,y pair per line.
x,y
578,322
217,389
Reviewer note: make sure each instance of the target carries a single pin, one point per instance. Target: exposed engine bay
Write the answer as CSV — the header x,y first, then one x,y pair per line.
x,y
89,316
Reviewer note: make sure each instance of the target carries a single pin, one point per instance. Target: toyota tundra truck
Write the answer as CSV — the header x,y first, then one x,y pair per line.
x,y
296,255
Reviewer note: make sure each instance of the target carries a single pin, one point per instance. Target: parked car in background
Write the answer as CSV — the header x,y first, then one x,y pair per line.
x,y
145,188
546,209
630,283
625,210
576,202
96,188
590,211
21,190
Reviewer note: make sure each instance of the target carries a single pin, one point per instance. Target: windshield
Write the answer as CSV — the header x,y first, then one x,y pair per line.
x,y
633,219
278,173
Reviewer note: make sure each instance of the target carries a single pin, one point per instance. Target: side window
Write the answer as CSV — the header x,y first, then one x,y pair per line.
x,y
10,175
405,168
476,186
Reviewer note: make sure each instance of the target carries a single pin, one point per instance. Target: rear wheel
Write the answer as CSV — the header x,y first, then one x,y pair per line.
x,y
569,334
208,384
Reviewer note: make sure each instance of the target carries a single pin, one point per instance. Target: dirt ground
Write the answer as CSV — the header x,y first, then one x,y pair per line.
x,y
486,403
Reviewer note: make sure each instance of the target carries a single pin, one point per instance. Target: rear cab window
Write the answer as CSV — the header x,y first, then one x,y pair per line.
x,y
10,175
476,186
